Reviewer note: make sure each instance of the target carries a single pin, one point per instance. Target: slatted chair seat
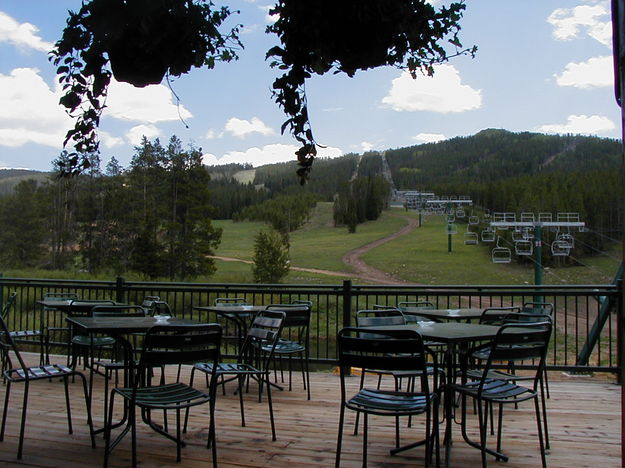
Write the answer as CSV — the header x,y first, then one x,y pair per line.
x,y
39,372
497,390
174,396
388,403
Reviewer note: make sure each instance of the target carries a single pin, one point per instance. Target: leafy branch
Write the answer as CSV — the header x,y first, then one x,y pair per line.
x,y
138,42
351,36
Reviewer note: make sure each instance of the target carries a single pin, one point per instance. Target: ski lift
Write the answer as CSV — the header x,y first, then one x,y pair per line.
x,y
452,228
566,239
474,220
488,235
528,233
560,248
460,213
545,217
517,235
501,254
451,218
524,247
527,217
470,238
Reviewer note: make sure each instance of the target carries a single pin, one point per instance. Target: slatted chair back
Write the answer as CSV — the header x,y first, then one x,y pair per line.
x,y
302,302
8,347
148,303
388,350
230,301
264,332
296,315
379,317
181,344
83,307
118,311
545,308
8,305
413,316
496,315
519,342
522,317
161,308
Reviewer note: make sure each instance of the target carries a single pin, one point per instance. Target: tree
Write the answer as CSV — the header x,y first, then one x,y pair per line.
x,y
271,257
141,40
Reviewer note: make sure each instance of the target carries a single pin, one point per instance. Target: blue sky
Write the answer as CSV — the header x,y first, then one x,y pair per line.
x,y
542,65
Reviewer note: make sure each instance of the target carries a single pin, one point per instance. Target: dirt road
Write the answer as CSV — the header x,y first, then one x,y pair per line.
x,y
352,258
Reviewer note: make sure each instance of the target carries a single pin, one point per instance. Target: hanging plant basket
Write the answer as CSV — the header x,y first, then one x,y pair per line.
x,y
141,41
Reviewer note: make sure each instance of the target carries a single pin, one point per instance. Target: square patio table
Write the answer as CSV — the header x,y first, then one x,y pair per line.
x,y
119,327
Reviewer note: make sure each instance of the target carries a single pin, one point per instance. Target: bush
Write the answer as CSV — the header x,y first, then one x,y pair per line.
x,y
271,257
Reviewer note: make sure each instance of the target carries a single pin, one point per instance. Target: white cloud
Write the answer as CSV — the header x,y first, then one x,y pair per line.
x,y
108,140
135,134
584,124
269,19
443,93
366,146
212,134
596,72
268,154
147,105
241,128
30,110
429,137
594,20
21,35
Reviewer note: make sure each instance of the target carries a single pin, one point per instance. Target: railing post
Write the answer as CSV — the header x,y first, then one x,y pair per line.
x,y
119,289
347,303
347,312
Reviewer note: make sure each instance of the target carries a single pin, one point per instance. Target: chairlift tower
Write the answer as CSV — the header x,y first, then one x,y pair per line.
x,y
545,220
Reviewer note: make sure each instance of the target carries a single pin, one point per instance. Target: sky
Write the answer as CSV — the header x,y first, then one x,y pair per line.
x,y
541,66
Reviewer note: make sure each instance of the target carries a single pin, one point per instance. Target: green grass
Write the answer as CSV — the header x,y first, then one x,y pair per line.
x,y
320,245
422,257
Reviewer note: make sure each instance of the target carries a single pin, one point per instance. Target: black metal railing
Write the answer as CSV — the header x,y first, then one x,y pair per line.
x,y
586,338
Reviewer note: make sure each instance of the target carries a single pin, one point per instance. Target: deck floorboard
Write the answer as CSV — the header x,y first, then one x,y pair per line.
x,y
584,425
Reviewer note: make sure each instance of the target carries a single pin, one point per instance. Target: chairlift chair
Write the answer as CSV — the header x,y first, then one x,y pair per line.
x,y
524,247
470,238
488,235
460,213
560,248
474,220
452,228
451,218
527,217
501,254
528,233
566,239
517,235
545,217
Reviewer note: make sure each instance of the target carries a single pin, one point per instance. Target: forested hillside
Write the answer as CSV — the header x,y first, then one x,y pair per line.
x,y
149,216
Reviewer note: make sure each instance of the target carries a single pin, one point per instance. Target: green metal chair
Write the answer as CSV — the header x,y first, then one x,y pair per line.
x,y
392,351
252,363
22,373
168,345
513,342
30,337
295,339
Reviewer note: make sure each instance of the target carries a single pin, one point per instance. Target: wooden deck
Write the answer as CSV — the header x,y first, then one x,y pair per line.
x,y
584,425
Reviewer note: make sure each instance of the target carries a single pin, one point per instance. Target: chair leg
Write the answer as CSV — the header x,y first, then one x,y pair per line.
x,y
241,379
23,425
364,440
4,412
67,405
482,423
88,408
540,433
339,439
544,407
273,425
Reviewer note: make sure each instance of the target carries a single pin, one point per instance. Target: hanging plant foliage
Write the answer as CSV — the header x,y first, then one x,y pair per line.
x,y
349,36
138,42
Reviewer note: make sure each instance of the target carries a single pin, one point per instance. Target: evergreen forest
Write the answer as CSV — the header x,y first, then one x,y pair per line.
x,y
154,216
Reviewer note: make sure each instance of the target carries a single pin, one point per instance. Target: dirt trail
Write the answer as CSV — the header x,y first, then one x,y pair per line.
x,y
368,272
352,258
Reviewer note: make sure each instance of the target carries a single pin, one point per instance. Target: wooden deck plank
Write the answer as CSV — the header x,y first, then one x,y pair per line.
x,y
584,425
